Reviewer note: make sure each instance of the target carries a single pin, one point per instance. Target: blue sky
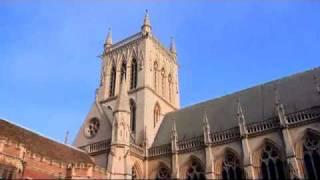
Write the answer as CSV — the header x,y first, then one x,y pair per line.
x,y
48,50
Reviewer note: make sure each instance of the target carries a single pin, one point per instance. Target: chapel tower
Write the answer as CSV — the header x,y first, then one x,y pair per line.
x,y
150,72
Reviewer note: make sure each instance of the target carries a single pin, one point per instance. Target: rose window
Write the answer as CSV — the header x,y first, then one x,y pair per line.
x,y
92,127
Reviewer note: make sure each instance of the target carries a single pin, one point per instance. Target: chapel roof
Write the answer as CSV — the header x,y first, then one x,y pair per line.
x,y
42,145
297,92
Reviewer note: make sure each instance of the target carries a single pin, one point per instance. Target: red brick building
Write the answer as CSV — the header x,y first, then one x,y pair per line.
x,y
25,154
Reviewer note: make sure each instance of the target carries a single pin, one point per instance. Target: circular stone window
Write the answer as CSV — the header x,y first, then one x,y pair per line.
x,y
92,127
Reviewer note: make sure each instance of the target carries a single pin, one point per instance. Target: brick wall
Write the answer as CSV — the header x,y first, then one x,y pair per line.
x,y
26,164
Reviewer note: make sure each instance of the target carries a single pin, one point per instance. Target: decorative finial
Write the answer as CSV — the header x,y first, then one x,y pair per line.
x,y
241,119
108,41
277,95
240,113
206,129
66,137
205,118
239,108
173,46
146,18
174,129
174,137
146,27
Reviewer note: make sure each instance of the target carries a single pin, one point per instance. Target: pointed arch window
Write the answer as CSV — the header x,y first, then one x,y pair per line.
x,y
170,87
311,151
195,171
231,168
112,85
163,82
163,174
134,74
271,163
132,115
123,70
155,75
156,114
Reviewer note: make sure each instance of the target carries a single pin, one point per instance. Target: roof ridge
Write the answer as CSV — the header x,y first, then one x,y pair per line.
x,y
39,134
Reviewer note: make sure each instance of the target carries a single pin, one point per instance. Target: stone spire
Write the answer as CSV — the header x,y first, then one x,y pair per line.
x,y
206,129
174,149
240,112
174,130
241,119
280,108
174,137
173,46
277,96
108,42
146,27
122,104
66,137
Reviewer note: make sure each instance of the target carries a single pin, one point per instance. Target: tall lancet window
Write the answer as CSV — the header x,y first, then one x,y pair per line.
x,y
163,82
271,163
133,115
123,70
156,114
155,75
112,86
311,150
231,167
134,74
170,87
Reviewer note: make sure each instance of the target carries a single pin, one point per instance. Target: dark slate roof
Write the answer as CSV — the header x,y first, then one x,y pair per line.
x,y
42,145
297,92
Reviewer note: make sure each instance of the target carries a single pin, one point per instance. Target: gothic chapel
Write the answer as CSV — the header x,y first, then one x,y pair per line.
x,y
136,129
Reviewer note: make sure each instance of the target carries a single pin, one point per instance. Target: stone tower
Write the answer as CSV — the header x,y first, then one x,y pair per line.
x,y
147,72
151,74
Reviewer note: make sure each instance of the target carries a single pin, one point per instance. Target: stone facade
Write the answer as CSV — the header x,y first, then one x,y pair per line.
x,y
135,128
255,133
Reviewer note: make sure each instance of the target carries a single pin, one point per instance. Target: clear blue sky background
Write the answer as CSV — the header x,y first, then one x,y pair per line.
x,y
48,50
